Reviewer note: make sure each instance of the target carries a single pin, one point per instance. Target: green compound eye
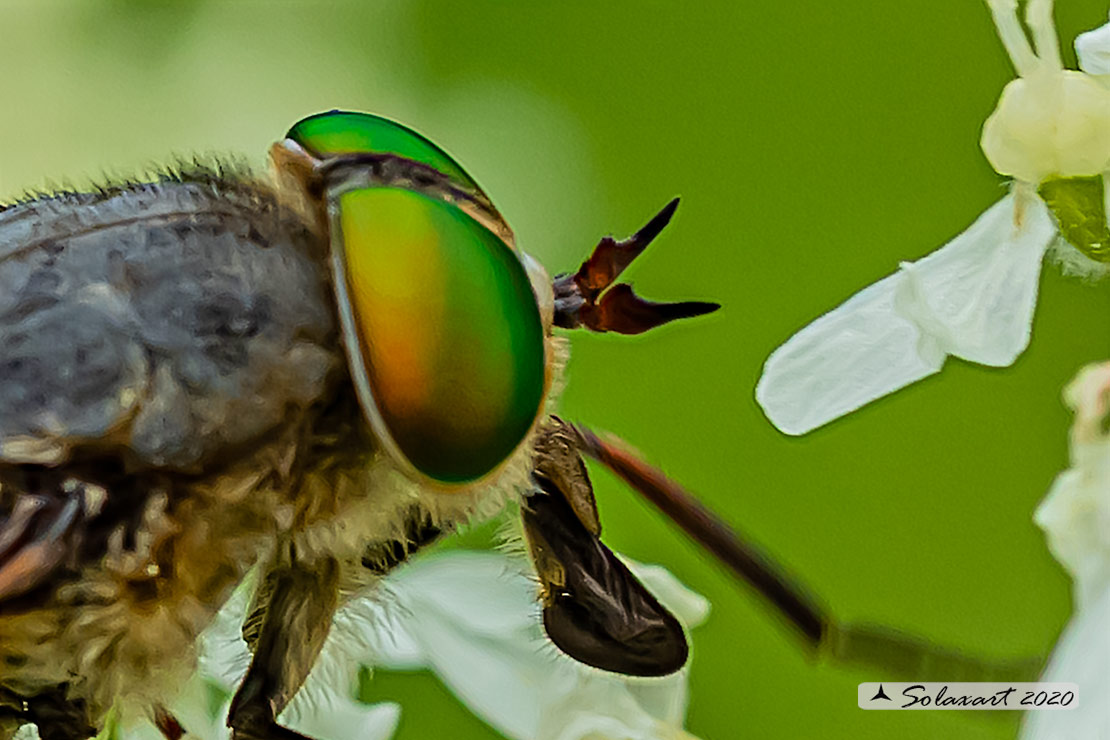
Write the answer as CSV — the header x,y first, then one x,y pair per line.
x,y
446,327
346,132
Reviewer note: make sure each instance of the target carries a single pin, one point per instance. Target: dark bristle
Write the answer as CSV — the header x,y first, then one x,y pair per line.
x,y
225,175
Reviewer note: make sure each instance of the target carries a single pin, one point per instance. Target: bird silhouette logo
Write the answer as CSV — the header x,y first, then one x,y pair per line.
x,y
881,694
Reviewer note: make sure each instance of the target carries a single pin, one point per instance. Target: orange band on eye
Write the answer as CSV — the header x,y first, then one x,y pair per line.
x,y
447,328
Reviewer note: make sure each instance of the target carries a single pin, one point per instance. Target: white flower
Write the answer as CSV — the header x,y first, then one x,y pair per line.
x,y
974,297
472,618
1075,516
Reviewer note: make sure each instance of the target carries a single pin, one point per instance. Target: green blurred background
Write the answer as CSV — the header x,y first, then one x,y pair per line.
x,y
815,145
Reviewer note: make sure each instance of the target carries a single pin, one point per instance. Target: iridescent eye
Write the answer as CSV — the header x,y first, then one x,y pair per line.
x,y
348,132
443,330
448,330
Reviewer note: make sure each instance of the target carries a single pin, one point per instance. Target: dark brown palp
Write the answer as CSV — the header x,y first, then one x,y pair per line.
x,y
594,609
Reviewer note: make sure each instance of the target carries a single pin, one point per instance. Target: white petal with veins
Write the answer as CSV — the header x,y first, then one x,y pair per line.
x,y
972,298
344,719
1093,50
1075,516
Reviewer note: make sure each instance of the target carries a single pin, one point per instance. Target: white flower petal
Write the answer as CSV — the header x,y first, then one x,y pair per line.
x,y
346,720
1075,514
506,682
472,618
1082,656
1075,521
480,593
223,655
982,285
601,708
139,731
663,698
370,633
1076,518
192,708
972,298
852,355
486,591
488,651
1093,50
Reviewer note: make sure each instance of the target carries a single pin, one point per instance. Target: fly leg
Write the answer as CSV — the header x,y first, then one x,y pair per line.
x,y
298,612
